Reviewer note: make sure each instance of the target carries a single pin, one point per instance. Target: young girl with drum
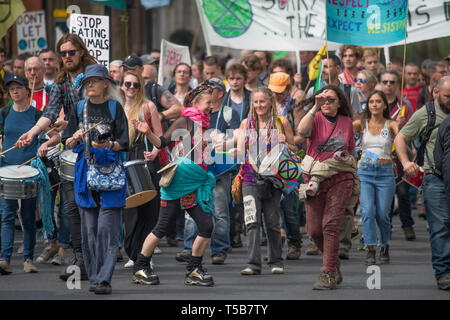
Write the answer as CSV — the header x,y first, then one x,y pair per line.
x,y
140,221
376,174
193,122
16,120
99,210
260,129
329,129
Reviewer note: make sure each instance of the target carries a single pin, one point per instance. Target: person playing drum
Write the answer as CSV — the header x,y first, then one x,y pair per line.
x,y
16,120
140,221
260,129
100,211
376,174
194,116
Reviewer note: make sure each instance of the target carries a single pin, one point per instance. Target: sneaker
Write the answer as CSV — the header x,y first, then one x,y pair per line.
x,y
198,277
218,259
92,287
5,267
145,276
338,275
371,258
312,249
327,280
129,264
250,272
46,255
20,249
409,233
103,288
182,256
157,250
355,234
344,254
57,260
444,282
29,267
277,270
384,254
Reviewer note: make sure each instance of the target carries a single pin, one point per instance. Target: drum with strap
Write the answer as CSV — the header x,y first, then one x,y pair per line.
x,y
140,188
67,165
18,183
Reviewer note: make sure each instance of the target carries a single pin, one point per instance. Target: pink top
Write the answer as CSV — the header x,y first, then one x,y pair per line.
x,y
342,138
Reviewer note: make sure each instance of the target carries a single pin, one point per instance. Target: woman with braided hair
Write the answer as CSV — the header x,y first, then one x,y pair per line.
x,y
190,189
257,136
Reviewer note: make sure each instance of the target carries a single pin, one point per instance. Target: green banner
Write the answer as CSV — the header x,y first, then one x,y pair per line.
x,y
118,4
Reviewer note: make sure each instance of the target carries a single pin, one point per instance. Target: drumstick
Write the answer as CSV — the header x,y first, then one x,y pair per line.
x,y
13,147
32,90
84,132
35,157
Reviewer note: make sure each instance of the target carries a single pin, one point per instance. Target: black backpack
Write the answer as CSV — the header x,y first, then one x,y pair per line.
x,y
152,96
431,113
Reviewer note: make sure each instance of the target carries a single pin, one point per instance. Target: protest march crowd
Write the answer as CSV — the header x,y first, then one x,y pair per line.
x,y
239,152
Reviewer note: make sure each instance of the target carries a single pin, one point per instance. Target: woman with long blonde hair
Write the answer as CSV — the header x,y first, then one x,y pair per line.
x,y
140,221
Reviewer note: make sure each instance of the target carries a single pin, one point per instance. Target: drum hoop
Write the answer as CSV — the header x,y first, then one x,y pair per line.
x,y
133,163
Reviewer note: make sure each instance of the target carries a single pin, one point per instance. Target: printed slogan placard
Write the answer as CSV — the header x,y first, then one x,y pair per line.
x,y
31,32
94,30
366,22
171,55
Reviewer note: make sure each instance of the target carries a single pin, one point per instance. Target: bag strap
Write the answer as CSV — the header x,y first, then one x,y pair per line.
x,y
4,111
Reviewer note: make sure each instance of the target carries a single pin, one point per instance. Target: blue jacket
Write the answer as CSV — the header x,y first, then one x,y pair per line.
x,y
83,198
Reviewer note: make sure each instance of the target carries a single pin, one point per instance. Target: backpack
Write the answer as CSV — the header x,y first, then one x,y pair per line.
x,y
152,96
431,113
5,110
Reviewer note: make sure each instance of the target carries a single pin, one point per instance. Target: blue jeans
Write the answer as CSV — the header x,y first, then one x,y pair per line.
x,y
63,234
290,208
377,187
437,210
220,238
28,214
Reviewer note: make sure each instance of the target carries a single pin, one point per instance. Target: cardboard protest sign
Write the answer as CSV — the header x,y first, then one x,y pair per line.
x,y
31,32
94,30
366,22
171,55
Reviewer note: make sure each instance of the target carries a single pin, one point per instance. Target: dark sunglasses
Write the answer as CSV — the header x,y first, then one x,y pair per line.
x,y
331,100
70,52
362,80
388,81
128,84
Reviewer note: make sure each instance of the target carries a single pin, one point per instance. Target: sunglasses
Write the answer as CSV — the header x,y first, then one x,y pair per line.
x,y
362,80
331,100
388,81
70,52
128,84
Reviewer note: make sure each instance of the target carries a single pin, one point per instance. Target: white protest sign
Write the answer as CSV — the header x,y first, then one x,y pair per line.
x,y
171,55
291,25
94,30
31,32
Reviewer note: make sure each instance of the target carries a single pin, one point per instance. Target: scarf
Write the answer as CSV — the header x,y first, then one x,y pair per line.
x,y
197,116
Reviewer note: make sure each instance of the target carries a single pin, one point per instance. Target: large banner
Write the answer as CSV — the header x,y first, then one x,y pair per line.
x,y
292,25
10,10
366,23
94,30
31,32
171,55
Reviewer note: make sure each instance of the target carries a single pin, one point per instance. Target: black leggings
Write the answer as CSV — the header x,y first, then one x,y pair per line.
x,y
169,214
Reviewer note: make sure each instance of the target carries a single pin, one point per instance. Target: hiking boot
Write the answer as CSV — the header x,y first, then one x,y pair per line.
x,y
57,260
182,256
103,288
5,267
326,280
409,233
143,272
344,254
218,259
312,249
250,272
46,255
198,277
237,242
338,274
384,254
29,267
444,282
294,249
371,258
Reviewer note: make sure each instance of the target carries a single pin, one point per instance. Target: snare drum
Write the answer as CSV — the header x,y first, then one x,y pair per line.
x,y
18,183
51,161
282,167
67,165
140,188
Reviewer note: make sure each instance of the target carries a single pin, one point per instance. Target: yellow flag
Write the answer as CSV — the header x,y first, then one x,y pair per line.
x,y
314,65
10,10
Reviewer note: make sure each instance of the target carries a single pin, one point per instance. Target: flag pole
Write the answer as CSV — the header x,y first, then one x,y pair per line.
x,y
326,43
404,61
